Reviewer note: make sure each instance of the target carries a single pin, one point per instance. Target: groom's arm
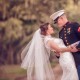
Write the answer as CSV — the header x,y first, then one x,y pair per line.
x,y
77,32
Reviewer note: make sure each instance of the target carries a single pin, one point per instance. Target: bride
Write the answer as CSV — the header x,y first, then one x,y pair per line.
x,y
35,56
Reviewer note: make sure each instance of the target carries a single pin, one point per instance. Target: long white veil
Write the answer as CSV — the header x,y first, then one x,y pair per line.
x,y
35,59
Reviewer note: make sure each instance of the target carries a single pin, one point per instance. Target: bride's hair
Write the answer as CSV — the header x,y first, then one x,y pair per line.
x,y
44,28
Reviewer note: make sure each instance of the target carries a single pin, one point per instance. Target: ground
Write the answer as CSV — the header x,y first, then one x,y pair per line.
x,y
14,72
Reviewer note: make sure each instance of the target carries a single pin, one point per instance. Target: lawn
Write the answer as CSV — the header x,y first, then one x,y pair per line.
x,y
11,72
15,72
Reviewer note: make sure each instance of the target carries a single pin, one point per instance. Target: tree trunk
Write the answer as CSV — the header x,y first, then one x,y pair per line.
x,y
10,52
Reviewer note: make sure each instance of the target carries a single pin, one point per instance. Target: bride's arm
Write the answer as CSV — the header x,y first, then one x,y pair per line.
x,y
55,47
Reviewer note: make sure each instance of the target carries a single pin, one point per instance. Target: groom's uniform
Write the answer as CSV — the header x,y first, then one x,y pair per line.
x,y
70,33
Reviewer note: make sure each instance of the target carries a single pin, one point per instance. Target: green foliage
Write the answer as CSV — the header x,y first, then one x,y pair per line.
x,y
20,18
13,30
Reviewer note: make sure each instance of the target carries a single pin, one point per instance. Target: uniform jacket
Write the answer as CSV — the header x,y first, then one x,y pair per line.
x,y
70,33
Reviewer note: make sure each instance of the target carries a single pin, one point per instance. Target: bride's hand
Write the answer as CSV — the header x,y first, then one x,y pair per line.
x,y
57,54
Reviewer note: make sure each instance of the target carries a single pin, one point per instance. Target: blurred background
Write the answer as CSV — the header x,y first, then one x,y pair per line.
x,y
19,19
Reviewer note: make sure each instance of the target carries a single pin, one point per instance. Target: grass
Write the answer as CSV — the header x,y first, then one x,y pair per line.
x,y
53,64
15,72
4,79
11,72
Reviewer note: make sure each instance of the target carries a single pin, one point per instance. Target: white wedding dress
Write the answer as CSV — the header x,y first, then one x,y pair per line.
x,y
66,60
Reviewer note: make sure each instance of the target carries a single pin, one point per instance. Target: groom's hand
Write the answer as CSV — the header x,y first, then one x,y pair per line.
x,y
73,49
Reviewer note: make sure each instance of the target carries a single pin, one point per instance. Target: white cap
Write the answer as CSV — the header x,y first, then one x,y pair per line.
x,y
57,14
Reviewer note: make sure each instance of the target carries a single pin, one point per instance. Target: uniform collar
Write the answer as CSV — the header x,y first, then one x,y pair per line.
x,y
66,24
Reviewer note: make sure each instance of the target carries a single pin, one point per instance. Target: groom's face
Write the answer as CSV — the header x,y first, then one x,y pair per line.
x,y
60,21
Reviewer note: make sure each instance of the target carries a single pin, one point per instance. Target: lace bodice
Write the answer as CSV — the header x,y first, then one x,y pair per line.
x,y
58,41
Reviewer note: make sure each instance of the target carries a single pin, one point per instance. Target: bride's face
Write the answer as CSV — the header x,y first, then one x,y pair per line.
x,y
50,30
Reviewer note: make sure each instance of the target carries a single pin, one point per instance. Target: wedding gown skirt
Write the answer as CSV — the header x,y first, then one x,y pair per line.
x,y
66,61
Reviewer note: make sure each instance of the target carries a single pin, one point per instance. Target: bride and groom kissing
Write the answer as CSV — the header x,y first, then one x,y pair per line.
x,y
35,56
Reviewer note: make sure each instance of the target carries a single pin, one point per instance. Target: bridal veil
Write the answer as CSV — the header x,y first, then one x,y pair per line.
x,y
35,59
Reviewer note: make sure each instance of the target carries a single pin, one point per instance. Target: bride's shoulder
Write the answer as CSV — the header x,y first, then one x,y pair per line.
x,y
47,37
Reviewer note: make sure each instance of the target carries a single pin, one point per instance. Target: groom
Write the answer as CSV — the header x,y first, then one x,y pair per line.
x,y
69,33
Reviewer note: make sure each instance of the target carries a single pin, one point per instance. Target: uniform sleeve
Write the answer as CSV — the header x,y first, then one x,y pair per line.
x,y
76,27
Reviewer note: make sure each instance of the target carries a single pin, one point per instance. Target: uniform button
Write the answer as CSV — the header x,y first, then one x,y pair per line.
x,y
67,43
66,40
64,34
65,37
65,31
